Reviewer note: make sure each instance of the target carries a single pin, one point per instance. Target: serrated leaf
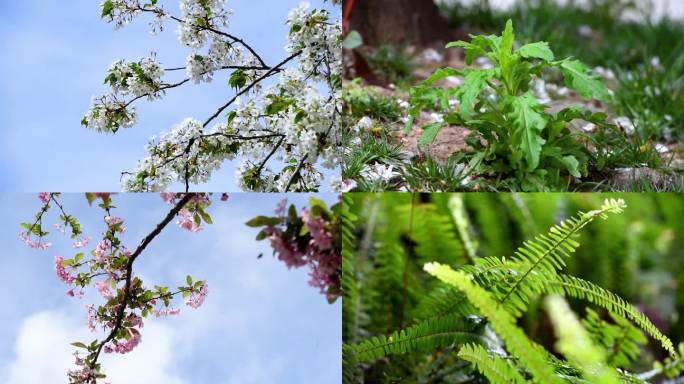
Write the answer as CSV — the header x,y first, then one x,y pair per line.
x,y
474,82
578,77
429,134
538,50
507,39
528,125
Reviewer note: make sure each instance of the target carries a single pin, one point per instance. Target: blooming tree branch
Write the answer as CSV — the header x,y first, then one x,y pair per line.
x,y
310,238
283,133
110,269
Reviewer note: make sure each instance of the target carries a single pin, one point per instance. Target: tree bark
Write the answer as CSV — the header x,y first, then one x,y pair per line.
x,y
398,22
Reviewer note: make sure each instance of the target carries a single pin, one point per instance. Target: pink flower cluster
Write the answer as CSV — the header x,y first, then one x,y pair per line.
x,y
44,197
83,374
80,243
126,346
287,251
187,221
196,299
62,273
167,312
23,236
319,254
103,288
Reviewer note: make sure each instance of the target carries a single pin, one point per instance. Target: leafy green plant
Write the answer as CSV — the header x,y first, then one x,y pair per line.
x,y
513,136
421,305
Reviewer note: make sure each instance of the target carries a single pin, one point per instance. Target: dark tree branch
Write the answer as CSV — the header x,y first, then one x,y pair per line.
x,y
129,272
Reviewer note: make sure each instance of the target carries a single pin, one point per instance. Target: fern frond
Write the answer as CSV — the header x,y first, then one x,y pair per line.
x,y
574,342
493,367
622,340
351,372
500,320
350,294
545,255
435,236
585,290
424,336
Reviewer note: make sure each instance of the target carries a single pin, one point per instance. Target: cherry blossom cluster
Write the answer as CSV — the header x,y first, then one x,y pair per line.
x,y
108,267
283,133
138,78
308,238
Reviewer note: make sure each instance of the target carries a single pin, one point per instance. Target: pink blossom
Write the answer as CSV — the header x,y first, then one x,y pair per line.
x,y
167,312
113,220
316,225
196,299
44,197
82,242
168,197
60,228
224,197
186,221
128,345
281,208
287,253
199,198
135,320
93,318
102,251
63,274
103,288
32,243
72,293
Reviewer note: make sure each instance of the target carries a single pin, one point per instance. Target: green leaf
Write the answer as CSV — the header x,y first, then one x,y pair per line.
x,y
528,125
107,8
430,132
472,50
441,74
577,76
90,197
474,82
238,79
188,279
261,221
538,50
205,217
78,344
352,40
507,39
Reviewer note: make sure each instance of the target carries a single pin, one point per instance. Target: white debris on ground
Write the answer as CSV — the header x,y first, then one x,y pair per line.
x,y
378,172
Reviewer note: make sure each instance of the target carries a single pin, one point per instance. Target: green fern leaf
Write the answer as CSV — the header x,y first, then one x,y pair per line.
x,y
544,256
500,320
493,367
585,290
424,336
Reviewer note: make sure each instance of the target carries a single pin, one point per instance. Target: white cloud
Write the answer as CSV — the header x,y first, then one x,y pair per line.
x,y
43,354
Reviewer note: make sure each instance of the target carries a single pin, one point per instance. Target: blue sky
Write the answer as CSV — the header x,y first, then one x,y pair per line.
x,y
56,57
261,323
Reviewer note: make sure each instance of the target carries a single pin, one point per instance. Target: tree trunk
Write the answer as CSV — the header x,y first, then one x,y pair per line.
x,y
398,22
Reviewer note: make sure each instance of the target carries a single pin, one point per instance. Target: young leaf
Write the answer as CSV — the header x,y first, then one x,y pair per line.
x,y
474,82
577,76
507,39
430,132
528,125
538,50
